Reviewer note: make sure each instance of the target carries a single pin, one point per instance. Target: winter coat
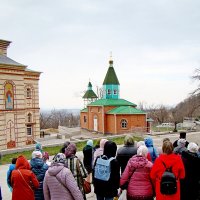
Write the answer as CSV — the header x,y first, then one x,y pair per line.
x,y
22,184
87,158
171,160
189,185
39,168
59,184
124,154
9,172
137,174
108,188
152,150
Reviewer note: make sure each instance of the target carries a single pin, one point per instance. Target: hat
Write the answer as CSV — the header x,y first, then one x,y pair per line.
x,y
59,158
90,143
192,147
183,135
38,146
36,154
45,155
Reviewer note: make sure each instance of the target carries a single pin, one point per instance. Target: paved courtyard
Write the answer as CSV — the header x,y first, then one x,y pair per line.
x,y
191,137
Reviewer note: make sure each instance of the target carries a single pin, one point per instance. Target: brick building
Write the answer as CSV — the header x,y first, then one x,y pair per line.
x,y
110,114
19,102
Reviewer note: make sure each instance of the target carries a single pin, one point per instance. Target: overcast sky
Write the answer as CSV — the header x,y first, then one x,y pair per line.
x,y
155,46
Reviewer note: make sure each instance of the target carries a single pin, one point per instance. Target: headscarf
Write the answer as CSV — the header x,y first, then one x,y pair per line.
x,y
140,143
110,149
59,158
102,143
193,147
70,150
36,154
142,151
38,147
90,143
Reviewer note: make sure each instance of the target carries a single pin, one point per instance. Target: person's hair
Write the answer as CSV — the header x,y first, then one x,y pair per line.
x,y
14,160
142,151
166,139
128,140
181,142
167,147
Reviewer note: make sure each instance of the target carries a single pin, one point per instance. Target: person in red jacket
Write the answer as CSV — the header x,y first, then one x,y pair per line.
x,y
23,180
171,160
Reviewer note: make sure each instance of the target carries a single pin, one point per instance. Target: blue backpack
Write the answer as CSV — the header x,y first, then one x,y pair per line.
x,y
102,168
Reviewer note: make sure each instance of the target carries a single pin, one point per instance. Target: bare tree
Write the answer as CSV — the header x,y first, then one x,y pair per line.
x,y
196,77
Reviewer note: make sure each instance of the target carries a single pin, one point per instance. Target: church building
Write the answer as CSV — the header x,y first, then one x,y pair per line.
x,y
111,114
19,102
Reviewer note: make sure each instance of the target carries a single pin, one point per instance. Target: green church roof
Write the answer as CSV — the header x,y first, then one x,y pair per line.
x,y
89,95
128,110
84,110
112,102
111,77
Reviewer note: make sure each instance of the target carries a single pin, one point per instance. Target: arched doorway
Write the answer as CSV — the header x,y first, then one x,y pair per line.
x,y
95,123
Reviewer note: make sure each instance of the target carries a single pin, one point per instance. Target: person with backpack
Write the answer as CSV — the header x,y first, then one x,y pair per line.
x,y
166,173
106,174
190,184
136,176
151,149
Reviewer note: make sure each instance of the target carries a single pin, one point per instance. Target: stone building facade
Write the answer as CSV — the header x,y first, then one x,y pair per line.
x,y
19,102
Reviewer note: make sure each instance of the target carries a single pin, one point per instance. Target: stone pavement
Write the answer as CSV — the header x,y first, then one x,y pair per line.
x,y
157,138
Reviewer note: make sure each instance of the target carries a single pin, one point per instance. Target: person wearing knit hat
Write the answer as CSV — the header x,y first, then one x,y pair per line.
x,y
191,161
88,158
38,147
37,154
126,152
182,136
181,146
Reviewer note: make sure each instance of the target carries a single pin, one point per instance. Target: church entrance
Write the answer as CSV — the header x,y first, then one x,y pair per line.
x,y
95,123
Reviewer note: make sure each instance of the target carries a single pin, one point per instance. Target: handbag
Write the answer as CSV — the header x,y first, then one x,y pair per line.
x,y
86,186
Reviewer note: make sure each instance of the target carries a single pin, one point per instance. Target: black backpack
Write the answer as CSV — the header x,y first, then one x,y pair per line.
x,y
168,183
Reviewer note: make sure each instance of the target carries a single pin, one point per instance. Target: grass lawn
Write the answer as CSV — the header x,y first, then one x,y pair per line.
x,y
6,159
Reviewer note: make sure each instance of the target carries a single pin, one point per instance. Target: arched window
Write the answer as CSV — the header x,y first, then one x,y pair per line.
x,y
28,92
123,123
115,91
29,117
9,96
109,91
85,119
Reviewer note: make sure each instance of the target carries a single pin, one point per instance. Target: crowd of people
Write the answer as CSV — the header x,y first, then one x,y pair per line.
x,y
135,171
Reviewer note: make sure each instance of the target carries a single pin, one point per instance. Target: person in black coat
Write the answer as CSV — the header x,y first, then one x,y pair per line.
x,y
191,161
126,152
107,190
182,136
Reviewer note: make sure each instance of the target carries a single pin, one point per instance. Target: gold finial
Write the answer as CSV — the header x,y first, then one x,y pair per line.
x,y
111,60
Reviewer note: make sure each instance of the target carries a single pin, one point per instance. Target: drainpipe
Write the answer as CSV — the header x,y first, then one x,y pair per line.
x,y
115,123
103,131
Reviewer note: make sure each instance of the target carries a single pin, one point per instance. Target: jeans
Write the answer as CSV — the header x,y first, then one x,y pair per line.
x,y
104,198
